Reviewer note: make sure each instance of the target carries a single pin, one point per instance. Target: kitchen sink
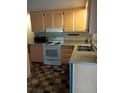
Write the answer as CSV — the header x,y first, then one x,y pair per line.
x,y
85,48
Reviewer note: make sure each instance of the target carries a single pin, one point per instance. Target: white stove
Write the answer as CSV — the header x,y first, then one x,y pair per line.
x,y
55,43
52,52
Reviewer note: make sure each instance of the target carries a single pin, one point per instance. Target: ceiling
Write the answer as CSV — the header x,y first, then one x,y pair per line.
x,y
35,5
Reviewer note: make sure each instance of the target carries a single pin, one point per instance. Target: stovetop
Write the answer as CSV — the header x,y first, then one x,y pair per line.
x,y
57,41
53,43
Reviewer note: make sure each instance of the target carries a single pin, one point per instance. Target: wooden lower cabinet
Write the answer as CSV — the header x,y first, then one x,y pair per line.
x,y
36,53
66,52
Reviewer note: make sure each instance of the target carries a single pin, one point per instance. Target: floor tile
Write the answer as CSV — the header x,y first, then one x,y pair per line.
x,y
48,79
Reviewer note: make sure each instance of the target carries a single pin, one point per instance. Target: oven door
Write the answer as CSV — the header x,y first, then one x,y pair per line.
x,y
52,55
51,52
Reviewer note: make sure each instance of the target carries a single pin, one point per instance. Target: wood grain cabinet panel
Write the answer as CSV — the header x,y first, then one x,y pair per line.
x,y
66,56
36,53
66,52
36,21
58,19
68,21
47,20
65,61
79,20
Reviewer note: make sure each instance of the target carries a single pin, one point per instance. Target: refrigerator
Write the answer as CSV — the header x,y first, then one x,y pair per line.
x,y
83,77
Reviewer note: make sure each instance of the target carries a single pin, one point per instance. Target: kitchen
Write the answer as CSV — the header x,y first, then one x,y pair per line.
x,y
62,46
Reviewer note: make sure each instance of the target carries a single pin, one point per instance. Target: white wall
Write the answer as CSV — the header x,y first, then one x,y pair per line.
x,y
93,17
30,34
28,67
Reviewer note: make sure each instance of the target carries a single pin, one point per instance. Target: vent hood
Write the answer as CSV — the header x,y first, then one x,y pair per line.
x,y
54,30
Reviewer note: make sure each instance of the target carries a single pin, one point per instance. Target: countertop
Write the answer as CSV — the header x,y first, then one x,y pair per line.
x,y
83,56
33,43
78,56
76,43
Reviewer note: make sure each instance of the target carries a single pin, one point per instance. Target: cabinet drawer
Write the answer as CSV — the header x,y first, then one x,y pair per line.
x,y
65,61
67,47
67,51
66,56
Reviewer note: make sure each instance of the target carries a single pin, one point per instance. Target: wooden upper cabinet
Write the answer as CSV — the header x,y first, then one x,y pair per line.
x,y
36,21
58,19
48,20
79,20
68,20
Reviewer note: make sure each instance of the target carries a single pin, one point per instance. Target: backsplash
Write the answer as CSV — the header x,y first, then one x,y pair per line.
x,y
64,34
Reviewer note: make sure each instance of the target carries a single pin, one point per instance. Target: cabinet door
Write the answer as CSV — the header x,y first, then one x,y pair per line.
x,y
66,52
36,21
68,21
58,19
36,53
79,20
48,20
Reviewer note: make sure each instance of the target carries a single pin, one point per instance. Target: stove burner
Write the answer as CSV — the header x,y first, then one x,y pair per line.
x,y
57,43
48,42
